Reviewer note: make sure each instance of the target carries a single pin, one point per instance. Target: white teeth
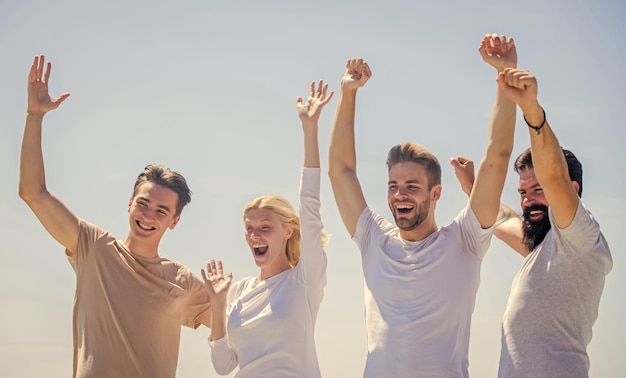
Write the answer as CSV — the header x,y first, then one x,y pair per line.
x,y
144,226
399,207
259,245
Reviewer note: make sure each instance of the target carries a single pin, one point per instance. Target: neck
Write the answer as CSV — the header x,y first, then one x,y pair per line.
x,y
421,232
141,248
268,273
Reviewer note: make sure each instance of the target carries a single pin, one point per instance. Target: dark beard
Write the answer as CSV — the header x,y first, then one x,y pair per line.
x,y
535,231
409,224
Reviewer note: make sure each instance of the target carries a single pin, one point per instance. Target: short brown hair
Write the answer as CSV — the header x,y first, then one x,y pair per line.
x,y
163,176
413,152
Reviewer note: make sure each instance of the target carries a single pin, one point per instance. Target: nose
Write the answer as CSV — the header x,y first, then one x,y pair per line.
x,y
528,199
400,193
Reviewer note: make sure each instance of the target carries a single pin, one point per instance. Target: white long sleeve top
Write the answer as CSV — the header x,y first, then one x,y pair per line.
x,y
270,323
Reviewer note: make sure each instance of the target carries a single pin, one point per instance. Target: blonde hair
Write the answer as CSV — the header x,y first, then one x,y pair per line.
x,y
288,217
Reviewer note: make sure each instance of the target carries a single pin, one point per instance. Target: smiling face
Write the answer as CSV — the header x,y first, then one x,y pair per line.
x,y
151,212
410,200
534,209
267,238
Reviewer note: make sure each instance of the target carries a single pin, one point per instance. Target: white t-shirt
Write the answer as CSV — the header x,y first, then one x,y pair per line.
x,y
270,329
419,296
554,302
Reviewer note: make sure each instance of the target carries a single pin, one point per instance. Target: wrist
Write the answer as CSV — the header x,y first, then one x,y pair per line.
x,y
533,113
35,114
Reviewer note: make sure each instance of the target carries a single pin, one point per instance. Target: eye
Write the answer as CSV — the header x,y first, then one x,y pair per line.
x,y
141,203
393,187
162,212
413,187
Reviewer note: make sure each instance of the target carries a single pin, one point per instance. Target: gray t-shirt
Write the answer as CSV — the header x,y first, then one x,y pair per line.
x,y
554,302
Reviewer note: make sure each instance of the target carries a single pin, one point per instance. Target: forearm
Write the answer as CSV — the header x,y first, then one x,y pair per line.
x,y
548,160
311,145
342,153
218,321
32,175
501,129
487,189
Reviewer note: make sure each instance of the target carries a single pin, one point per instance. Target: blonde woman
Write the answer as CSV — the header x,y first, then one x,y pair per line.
x,y
265,325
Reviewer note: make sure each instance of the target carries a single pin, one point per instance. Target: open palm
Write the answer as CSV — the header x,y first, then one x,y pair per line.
x,y
39,100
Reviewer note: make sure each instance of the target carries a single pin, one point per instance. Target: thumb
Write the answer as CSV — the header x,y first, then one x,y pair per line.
x,y
57,101
455,162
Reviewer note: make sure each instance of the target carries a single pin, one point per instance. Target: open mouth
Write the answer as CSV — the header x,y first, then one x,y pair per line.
x,y
536,214
259,250
144,226
404,208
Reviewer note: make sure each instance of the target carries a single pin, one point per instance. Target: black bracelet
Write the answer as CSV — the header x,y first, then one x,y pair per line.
x,y
537,128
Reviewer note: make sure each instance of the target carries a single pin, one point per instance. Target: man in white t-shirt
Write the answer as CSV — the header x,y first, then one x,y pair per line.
x,y
555,296
420,280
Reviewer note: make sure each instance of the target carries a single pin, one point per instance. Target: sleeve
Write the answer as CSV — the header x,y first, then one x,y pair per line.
x,y
475,238
223,355
370,226
582,235
88,236
197,302
312,264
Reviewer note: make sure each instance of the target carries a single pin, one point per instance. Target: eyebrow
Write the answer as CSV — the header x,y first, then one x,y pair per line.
x,y
413,181
164,207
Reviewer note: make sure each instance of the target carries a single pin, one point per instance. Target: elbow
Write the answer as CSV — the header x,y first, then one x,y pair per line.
x,y
29,195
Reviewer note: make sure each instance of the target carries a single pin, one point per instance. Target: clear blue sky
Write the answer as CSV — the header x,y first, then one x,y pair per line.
x,y
208,88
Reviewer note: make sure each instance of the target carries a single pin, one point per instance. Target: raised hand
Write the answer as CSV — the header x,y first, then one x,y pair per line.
x,y
357,74
464,171
309,111
39,100
499,51
217,284
520,86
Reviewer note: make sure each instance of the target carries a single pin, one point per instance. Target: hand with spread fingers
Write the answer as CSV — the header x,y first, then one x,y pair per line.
x,y
39,100
309,111
216,282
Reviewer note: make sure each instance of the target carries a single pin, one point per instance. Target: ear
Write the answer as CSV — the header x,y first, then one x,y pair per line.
x,y
130,202
576,187
174,222
435,193
289,233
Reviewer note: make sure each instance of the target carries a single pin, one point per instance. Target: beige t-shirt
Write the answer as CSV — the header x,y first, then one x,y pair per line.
x,y
128,310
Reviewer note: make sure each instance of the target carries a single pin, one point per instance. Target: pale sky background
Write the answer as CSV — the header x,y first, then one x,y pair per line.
x,y
208,88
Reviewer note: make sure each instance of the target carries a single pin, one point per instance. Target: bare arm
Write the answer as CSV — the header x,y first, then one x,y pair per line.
x,y
508,226
309,113
484,200
342,152
58,220
548,161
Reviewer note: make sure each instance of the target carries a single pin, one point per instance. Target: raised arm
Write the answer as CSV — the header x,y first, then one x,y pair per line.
x,y
342,152
58,220
500,53
548,160
508,226
309,113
